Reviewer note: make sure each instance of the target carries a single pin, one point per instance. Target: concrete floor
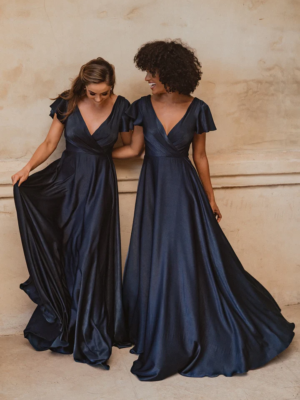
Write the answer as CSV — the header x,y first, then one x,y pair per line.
x,y
28,375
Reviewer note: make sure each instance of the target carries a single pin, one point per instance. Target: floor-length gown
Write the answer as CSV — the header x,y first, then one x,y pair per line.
x,y
190,306
68,218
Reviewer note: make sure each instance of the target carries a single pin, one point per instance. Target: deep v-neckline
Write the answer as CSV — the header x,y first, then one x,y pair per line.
x,y
177,123
112,110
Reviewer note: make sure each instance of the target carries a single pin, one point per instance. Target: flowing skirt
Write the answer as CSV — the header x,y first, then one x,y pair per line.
x,y
190,305
69,223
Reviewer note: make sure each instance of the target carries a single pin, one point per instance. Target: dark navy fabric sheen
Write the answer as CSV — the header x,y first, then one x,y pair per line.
x,y
68,217
190,306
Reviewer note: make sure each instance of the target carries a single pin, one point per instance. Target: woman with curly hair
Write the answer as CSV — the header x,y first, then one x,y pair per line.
x,y
69,223
190,306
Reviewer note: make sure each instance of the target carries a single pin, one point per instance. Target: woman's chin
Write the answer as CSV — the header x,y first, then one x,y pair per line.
x,y
157,91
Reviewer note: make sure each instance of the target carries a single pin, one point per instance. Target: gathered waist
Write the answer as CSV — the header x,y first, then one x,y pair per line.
x,y
70,148
179,155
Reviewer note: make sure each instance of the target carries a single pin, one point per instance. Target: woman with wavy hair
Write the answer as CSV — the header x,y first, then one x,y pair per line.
x,y
69,223
190,306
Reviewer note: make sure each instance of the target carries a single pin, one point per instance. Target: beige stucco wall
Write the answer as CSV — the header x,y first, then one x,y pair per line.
x,y
251,81
248,50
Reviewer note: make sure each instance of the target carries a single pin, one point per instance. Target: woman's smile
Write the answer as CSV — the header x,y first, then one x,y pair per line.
x,y
152,85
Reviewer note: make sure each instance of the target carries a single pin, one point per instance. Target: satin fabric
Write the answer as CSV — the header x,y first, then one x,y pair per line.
x,y
68,217
190,306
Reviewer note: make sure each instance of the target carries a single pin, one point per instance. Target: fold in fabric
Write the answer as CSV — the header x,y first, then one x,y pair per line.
x,y
68,217
190,306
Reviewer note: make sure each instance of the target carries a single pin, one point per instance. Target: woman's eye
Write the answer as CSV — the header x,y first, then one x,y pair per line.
x,y
92,93
105,94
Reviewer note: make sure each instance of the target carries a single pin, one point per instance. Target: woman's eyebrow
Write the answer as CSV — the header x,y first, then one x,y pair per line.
x,y
91,91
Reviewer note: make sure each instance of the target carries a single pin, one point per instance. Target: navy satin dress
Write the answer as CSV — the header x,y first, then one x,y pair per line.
x,y
68,218
190,306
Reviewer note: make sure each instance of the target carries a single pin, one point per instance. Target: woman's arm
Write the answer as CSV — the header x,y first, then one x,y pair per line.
x,y
42,152
126,137
202,166
135,147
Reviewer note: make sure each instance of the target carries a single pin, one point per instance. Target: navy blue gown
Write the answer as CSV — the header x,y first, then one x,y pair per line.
x,y
190,306
68,218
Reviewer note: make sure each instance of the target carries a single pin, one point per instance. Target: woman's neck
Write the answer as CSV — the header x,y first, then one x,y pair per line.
x,y
173,97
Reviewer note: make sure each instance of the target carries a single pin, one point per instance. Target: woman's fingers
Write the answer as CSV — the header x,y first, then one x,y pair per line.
x,y
23,178
19,177
14,178
219,215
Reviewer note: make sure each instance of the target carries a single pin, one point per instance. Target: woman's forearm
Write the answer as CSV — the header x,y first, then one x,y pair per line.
x,y
126,137
41,154
125,152
47,147
202,166
134,149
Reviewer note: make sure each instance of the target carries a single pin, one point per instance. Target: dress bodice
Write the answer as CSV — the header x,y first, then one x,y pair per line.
x,y
77,135
197,119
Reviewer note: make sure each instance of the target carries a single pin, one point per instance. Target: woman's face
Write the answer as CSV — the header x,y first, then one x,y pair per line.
x,y
154,83
98,92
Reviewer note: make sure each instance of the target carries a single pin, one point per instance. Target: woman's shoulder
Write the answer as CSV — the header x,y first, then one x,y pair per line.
x,y
203,116
135,112
200,103
122,103
141,100
140,104
59,107
135,106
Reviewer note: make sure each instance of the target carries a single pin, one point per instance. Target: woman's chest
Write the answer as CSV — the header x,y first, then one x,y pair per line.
x,y
181,134
77,130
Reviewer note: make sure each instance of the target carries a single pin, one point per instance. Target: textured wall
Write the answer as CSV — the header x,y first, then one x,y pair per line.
x,y
248,50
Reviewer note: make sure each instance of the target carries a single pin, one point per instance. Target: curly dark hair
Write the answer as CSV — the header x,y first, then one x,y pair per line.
x,y
176,63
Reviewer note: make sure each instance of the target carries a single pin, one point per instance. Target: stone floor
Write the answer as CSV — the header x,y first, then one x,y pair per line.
x,y
28,375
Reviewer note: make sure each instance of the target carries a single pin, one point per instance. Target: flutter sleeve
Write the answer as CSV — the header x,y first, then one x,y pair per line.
x,y
134,115
59,107
205,122
125,120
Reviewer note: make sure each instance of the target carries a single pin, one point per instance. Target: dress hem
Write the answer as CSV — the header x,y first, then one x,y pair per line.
x,y
266,361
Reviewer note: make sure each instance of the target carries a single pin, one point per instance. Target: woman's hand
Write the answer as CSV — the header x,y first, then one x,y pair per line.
x,y
42,153
216,210
20,176
202,166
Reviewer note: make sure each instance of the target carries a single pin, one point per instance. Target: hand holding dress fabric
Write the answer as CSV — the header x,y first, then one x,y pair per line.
x,y
69,223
